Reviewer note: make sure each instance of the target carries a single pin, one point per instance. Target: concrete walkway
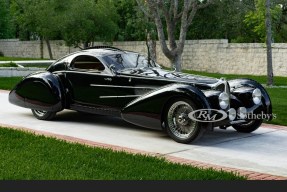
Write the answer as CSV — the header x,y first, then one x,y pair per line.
x,y
264,151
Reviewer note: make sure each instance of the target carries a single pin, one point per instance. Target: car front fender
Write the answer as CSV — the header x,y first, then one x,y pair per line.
x,y
266,101
148,110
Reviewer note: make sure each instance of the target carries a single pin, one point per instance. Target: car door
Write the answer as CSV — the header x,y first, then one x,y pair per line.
x,y
89,83
131,87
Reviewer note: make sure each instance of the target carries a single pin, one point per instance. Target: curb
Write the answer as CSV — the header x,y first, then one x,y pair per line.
x,y
251,175
4,91
272,126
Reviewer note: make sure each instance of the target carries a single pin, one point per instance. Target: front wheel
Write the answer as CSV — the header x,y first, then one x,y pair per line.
x,y
178,125
248,127
43,115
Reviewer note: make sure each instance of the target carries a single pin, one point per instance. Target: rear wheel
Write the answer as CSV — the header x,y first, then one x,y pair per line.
x,y
248,127
43,115
178,125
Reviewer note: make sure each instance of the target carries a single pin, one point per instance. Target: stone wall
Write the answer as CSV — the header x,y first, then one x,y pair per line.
x,y
216,56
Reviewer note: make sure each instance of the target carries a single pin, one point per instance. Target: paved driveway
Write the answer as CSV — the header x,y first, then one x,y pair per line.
x,y
264,150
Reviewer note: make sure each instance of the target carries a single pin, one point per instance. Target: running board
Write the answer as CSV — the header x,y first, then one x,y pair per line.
x,y
95,110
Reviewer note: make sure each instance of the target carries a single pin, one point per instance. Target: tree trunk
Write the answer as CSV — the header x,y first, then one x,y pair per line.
x,y
49,48
41,48
176,62
268,43
86,44
151,45
157,9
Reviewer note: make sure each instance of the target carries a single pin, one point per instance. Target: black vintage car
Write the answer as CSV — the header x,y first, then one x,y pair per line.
x,y
109,81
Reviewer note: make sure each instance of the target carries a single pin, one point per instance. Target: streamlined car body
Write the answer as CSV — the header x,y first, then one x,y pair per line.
x,y
109,81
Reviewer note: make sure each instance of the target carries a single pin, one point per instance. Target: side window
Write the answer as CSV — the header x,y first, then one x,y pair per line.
x,y
60,66
86,62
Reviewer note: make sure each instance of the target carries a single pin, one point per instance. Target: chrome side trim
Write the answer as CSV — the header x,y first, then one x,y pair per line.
x,y
118,86
195,81
121,96
87,72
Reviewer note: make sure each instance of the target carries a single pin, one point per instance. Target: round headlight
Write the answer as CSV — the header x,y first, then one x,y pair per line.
x,y
223,100
256,96
231,114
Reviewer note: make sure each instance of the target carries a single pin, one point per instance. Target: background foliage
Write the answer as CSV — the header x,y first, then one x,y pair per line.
x,y
121,20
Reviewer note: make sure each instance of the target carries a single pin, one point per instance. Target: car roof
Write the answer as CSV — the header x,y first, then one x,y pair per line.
x,y
97,52
104,50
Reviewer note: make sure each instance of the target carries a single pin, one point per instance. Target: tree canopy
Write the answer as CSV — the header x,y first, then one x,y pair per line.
x,y
5,20
122,20
74,21
255,20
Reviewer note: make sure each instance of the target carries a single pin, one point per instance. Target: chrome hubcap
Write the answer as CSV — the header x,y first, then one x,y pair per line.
x,y
40,113
183,119
179,122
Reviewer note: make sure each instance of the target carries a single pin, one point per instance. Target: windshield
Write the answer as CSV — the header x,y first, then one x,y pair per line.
x,y
129,60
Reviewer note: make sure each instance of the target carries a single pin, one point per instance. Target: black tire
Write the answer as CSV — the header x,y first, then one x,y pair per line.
x,y
178,125
248,127
43,115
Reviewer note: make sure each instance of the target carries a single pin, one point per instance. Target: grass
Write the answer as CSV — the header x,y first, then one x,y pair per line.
x,y
11,64
279,105
36,65
30,157
2,58
8,83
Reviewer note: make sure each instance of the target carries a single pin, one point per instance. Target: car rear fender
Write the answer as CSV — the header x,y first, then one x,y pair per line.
x,y
40,91
148,110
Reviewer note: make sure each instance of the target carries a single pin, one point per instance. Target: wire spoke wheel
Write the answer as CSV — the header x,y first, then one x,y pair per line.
x,y
179,126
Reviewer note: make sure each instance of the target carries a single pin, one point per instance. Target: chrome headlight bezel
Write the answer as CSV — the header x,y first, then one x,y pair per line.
x,y
223,100
256,96
232,114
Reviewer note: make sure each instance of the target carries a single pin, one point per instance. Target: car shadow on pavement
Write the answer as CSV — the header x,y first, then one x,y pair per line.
x,y
79,117
209,137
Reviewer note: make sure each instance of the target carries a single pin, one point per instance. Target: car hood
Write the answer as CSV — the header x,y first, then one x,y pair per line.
x,y
158,73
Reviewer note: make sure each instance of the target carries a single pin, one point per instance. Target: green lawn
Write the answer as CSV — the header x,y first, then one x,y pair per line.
x,y
8,83
30,157
17,59
279,105
12,64
37,65
9,64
